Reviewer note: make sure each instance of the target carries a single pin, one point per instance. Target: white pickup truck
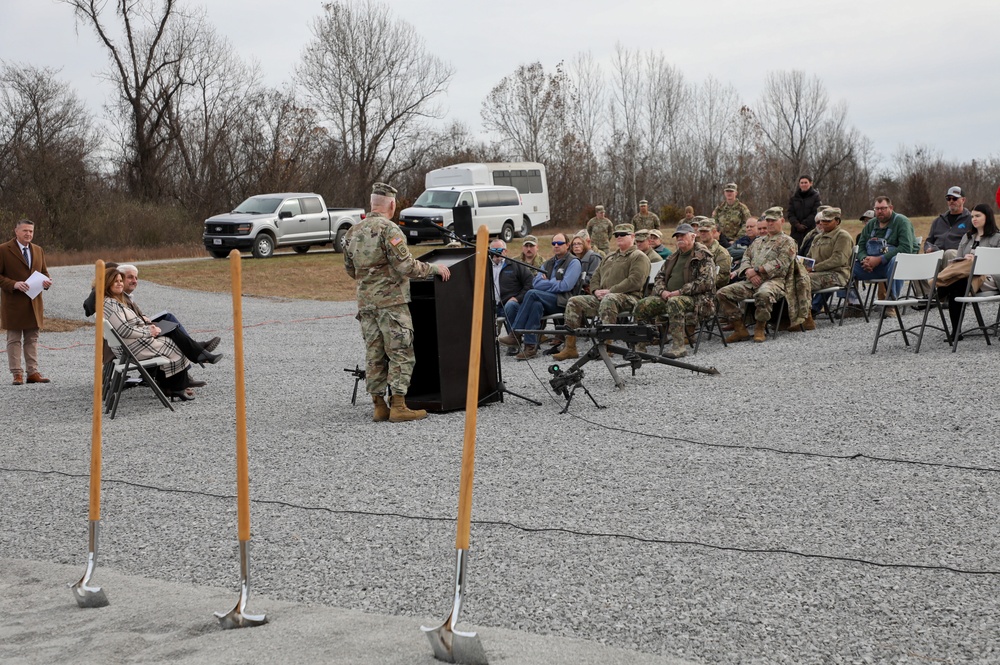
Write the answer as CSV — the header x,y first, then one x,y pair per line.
x,y
266,221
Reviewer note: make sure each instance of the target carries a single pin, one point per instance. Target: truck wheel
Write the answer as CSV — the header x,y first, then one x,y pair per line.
x,y
338,241
525,227
263,247
218,253
507,232
301,249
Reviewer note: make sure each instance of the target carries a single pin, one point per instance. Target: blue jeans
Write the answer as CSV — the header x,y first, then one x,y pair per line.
x,y
508,311
536,305
882,271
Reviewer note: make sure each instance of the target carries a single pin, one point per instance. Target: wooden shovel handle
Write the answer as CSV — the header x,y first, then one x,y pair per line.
x,y
242,462
95,428
472,393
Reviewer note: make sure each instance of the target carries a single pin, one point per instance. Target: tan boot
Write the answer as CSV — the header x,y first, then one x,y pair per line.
x,y
400,413
677,350
690,332
381,410
528,351
760,331
809,324
568,351
740,332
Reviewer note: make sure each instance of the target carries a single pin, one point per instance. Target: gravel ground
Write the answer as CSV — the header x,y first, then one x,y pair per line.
x,y
811,504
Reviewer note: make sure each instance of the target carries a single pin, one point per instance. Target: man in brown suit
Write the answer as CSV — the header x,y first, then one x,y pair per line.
x,y
21,316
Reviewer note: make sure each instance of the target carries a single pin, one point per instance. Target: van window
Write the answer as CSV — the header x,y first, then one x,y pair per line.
x,y
502,178
310,205
487,199
534,182
505,197
526,181
292,206
436,199
466,199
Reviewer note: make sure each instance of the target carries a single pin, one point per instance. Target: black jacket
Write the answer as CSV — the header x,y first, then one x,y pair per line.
x,y
801,213
515,280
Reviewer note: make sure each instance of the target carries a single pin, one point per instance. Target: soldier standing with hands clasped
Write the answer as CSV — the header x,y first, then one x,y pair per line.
x,y
376,255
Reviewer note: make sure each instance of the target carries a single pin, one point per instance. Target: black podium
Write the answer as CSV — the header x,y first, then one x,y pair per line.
x,y
442,326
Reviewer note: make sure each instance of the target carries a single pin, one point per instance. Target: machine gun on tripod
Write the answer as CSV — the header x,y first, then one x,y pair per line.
x,y
359,376
600,334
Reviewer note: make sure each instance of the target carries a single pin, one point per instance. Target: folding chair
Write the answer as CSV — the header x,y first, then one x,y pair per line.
x,y
125,361
771,325
912,268
844,303
987,262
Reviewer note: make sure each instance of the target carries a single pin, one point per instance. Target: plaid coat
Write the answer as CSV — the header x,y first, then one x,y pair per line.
x,y
135,332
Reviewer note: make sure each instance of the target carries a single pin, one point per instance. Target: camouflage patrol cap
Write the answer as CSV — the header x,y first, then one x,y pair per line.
x,y
382,189
642,234
683,228
655,233
582,233
530,240
707,223
777,212
731,187
598,208
822,208
830,214
697,220
644,202
625,228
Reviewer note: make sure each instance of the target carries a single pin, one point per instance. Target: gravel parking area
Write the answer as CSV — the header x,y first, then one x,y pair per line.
x,y
811,504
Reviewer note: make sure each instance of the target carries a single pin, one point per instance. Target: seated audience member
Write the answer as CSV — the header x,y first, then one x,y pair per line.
x,y
197,352
740,244
589,259
642,243
511,282
708,235
529,252
950,228
656,242
761,234
90,302
144,340
685,284
982,234
831,248
551,290
880,241
762,273
616,287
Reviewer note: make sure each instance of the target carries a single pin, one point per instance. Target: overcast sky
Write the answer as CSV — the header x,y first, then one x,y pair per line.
x,y
912,71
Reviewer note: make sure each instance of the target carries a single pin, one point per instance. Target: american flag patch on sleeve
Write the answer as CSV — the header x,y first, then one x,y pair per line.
x,y
395,241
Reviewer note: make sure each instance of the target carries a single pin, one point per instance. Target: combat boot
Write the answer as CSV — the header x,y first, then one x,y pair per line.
x,y
760,331
381,410
400,413
740,332
690,332
569,349
809,324
677,350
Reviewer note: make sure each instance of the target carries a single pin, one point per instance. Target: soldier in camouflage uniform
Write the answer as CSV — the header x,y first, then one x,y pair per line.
x,y
529,252
645,219
764,266
600,229
616,287
376,255
832,249
707,236
731,214
643,244
685,285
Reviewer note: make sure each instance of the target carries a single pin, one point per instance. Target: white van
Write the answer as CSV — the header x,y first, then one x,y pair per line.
x,y
528,178
499,208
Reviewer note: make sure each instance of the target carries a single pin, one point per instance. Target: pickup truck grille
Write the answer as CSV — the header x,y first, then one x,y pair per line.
x,y
220,229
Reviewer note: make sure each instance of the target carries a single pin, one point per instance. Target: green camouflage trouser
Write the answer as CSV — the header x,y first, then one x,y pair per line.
x,y
389,358
824,280
608,308
764,297
675,310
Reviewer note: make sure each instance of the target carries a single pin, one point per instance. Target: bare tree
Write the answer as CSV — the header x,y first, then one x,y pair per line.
x,y
47,143
790,112
148,55
527,109
370,76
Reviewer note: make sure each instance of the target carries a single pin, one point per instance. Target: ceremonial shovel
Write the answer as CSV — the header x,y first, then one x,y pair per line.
x,y
450,645
236,618
85,593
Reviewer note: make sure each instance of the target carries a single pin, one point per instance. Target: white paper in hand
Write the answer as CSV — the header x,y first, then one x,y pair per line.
x,y
35,284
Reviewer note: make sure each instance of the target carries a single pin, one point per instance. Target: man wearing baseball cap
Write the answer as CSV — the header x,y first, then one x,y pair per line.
x,y
685,285
951,226
645,219
529,252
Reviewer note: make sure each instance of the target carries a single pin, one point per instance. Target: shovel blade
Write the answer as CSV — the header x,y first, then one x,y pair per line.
x,y
237,619
452,646
89,596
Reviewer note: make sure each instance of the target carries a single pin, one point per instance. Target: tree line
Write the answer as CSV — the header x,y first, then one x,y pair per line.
x,y
191,130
